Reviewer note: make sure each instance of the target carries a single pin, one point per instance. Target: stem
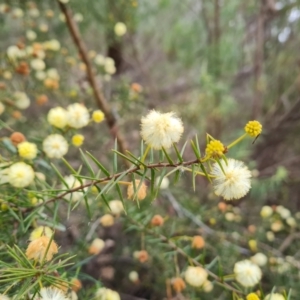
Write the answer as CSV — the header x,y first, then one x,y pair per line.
x,y
197,172
98,95
145,153
237,140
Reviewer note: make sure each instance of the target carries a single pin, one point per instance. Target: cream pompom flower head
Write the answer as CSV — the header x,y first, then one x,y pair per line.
x,y
78,115
161,130
195,276
232,181
52,293
247,273
55,146
20,175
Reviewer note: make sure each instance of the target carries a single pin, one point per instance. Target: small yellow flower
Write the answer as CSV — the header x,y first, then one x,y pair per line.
x,y
27,150
214,149
253,128
252,245
252,296
40,231
107,220
98,116
40,249
77,140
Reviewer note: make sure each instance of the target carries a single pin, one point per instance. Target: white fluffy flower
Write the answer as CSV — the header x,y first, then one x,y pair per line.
x,y
274,296
195,276
73,182
20,175
107,294
266,211
283,212
99,60
51,293
13,52
53,74
55,146
116,207
235,183
52,45
247,273
4,297
259,259
40,75
161,130
31,35
78,115
22,100
109,66
58,117
164,182
120,29
38,64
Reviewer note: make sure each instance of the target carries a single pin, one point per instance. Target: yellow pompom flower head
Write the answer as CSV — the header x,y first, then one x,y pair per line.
x,y
98,116
27,150
253,128
214,149
252,296
77,140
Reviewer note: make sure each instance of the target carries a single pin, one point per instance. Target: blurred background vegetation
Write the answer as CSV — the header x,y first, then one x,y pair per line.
x,y
217,64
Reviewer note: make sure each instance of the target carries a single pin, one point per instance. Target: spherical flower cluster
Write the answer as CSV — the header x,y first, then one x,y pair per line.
x,y
55,146
178,284
41,231
57,117
247,273
252,296
116,207
4,297
253,128
259,259
96,246
99,60
17,138
98,116
52,45
20,175
22,100
107,220
161,130
266,211
109,66
120,29
198,242
164,183
27,150
214,149
52,293
274,296
106,294
40,249
37,64
78,115
77,140
195,276
138,192
234,183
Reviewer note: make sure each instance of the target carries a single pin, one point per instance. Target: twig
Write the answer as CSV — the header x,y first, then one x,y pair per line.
x,y
99,97
114,176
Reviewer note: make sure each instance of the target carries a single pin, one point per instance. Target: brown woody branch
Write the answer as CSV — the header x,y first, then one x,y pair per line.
x,y
99,97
